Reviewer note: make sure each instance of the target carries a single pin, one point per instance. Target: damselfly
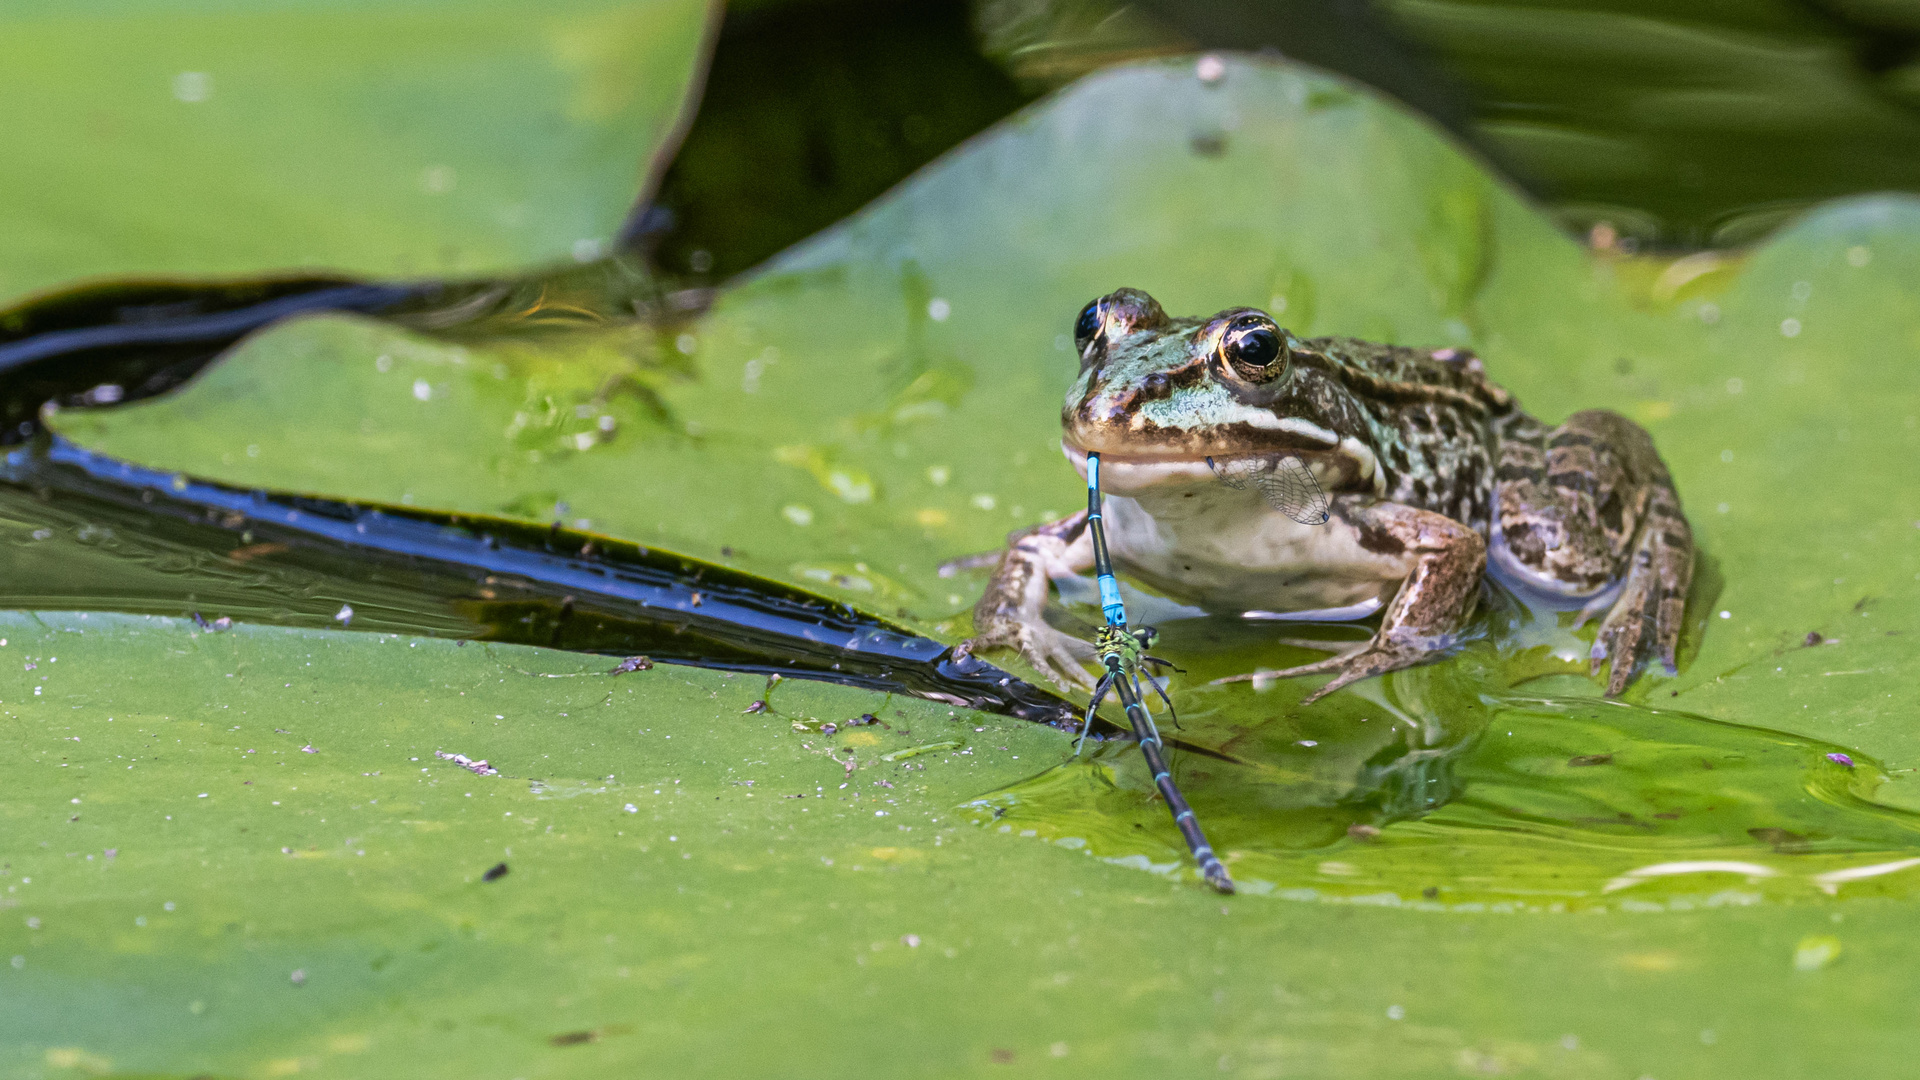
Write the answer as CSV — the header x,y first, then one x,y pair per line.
x,y
1282,479
1123,653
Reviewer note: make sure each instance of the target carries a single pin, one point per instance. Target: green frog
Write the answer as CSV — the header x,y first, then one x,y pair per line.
x,y
1430,478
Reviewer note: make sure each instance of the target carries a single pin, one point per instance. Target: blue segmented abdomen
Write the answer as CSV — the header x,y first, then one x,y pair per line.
x,y
1110,603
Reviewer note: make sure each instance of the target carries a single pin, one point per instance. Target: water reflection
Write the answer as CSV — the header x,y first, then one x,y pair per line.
x,y
1452,785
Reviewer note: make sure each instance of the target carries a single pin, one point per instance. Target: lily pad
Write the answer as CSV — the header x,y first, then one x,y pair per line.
x,y
885,397
384,139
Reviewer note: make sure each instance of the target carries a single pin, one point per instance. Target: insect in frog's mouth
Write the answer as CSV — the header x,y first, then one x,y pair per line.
x,y
1121,473
1126,471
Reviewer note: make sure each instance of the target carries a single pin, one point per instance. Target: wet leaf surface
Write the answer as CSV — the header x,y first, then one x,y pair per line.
x,y
885,397
390,140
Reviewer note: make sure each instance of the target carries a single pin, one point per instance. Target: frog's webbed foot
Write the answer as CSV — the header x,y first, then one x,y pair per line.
x,y
1646,618
1008,614
1062,658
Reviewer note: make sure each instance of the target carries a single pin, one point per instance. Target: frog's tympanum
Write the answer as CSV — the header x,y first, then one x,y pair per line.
x,y
1432,472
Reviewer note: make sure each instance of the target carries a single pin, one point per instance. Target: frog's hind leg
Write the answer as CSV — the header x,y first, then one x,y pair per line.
x,y
1587,511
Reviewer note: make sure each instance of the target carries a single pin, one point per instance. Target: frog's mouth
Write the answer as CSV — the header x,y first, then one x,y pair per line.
x,y
1124,474
1131,473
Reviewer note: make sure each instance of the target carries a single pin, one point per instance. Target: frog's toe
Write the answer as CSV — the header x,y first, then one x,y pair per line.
x,y
1331,663
1062,659
1372,658
1046,650
1622,639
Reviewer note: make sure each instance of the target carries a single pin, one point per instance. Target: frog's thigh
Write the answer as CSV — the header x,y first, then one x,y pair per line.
x,y
1567,501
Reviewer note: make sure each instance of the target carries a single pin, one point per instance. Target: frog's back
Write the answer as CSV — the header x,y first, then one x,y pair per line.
x,y
1433,418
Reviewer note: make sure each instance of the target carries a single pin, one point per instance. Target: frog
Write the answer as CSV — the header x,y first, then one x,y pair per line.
x,y
1434,482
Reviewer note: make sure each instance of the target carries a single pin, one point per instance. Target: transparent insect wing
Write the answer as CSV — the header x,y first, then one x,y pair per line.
x,y
1291,489
1285,482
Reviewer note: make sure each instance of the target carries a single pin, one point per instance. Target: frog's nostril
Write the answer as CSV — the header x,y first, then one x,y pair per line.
x,y
1155,383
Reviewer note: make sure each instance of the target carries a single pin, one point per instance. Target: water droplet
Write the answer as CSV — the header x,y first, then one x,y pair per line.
x,y
437,179
1816,952
192,87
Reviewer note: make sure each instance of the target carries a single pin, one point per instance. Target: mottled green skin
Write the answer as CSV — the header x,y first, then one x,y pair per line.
x,y
1431,470
1416,426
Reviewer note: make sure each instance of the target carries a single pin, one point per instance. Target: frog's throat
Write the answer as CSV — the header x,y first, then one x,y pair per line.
x,y
1124,474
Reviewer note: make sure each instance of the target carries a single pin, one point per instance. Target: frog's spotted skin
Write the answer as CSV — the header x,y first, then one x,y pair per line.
x,y
1430,467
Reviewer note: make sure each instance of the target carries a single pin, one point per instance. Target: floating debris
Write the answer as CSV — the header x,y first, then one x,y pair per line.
x,y
495,872
632,664
1840,759
478,768
916,751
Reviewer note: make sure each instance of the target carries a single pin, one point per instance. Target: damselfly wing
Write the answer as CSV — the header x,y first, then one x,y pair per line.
x,y
1282,479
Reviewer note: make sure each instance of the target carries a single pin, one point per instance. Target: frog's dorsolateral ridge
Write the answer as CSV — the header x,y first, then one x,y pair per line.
x,y
1430,472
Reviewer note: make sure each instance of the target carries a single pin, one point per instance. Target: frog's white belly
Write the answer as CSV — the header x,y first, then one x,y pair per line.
x,y
1228,552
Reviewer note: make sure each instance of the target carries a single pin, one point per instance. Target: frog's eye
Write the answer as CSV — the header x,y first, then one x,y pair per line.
x,y
1253,342
1089,322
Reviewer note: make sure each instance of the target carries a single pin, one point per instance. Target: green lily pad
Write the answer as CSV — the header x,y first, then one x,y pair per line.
x,y
885,397
382,139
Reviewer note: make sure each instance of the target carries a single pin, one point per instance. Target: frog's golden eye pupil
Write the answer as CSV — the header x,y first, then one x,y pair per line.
x,y
1257,347
1088,324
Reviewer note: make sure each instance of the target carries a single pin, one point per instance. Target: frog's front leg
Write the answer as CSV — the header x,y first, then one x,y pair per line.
x,y
1587,506
1447,559
1009,614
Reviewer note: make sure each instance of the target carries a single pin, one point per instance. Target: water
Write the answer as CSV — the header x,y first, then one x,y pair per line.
x,y
1463,785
